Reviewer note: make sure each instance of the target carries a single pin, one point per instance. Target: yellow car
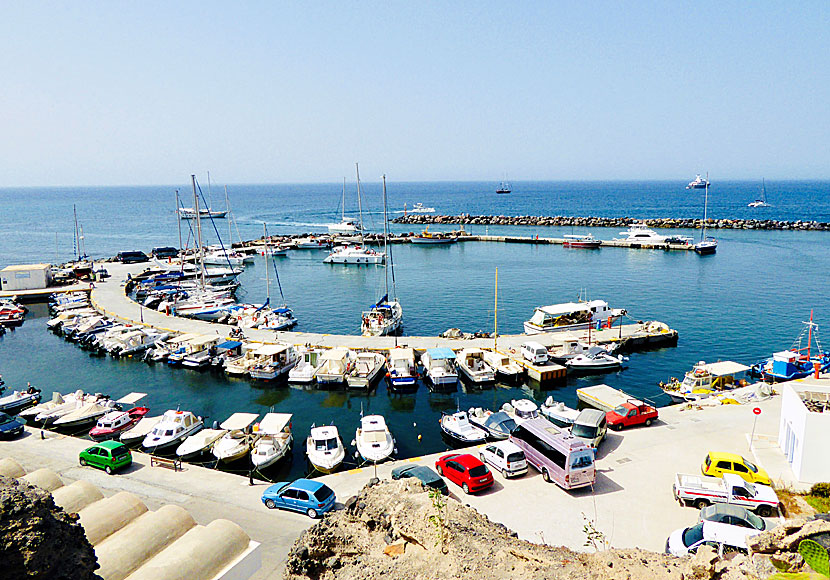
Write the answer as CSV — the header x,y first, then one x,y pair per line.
x,y
716,464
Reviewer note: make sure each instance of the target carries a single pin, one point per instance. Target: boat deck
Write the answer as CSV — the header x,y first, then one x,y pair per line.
x,y
602,397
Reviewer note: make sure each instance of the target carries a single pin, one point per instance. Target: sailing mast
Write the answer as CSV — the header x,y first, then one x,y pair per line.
x,y
228,209
359,204
75,238
267,276
198,230
343,203
705,208
496,316
179,220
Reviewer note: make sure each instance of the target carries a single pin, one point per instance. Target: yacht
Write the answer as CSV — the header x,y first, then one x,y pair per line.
x,y
174,427
365,370
762,200
706,245
188,213
238,438
584,241
596,359
402,374
640,232
418,207
324,449
356,254
470,362
505,368
273,361
275,440
571,316
373,439
698,183
459,430
439,367
224,258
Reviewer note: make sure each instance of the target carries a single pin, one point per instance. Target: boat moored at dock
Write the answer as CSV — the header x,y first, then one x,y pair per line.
x,y
705,380
324,449
572,316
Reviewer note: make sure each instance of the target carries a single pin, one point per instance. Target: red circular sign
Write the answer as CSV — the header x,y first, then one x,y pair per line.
x,y
757,410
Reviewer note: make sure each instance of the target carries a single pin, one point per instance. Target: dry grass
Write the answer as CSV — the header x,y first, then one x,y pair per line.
x,y
820,504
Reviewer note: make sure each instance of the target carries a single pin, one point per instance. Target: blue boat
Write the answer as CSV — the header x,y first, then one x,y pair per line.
x,y
797,362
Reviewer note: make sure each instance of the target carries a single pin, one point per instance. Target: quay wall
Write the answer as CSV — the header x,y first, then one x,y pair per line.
x,y
621,222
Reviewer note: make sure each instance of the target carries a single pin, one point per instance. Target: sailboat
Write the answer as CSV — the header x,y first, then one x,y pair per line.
x,y
504,187
706,245
385,316
346,226
274,318
761,201
191,213
356,254
81,266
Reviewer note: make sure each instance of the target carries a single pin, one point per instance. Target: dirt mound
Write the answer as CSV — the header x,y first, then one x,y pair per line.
x,y
38,539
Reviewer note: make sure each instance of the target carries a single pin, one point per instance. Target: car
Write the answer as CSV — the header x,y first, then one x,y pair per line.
x,y
132,257
165,252
722,537
534,352
506,457
427,476
631,413
715,464
107,455
304,495
733,515
11,426
465,470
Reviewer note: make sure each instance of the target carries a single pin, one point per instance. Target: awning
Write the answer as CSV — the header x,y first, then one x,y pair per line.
x,y
441,353
379,303
132,398
725,368
229,345
239,421
271,349
273,423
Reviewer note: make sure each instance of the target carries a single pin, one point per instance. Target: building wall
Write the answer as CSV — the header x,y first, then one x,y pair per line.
x,y
34,278
803,436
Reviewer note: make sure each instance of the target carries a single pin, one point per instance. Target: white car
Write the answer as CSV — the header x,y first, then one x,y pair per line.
x,y
724,538
505,457
534,352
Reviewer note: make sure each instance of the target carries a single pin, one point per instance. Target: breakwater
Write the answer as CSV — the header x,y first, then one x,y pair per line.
x,y
602,222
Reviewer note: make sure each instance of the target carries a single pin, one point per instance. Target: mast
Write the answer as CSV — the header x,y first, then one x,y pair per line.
x,y
810,335
198,230
385,239
705,208
228,209
267,276
496,316
75,237
179,220
359,203
343,203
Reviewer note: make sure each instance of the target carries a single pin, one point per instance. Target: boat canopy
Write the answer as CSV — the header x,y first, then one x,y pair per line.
x,y
273,423
282,310
568,307
183,338
229,344
324,432
381,303
401,353
203,340
132,398
725,368
335,354
271,349
239,421
442,353
373,423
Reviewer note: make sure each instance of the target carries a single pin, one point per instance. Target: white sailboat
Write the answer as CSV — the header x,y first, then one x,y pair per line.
x,y
346,227
706,245
357,254
762,200
385,317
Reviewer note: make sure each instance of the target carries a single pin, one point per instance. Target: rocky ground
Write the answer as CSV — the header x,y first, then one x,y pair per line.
x,y
396,530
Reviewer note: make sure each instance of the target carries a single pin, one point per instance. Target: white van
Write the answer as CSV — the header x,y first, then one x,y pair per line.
x,y
557,455
534,352
590,426
505,457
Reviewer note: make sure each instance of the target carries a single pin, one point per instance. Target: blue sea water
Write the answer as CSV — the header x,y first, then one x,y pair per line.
x,y
740,304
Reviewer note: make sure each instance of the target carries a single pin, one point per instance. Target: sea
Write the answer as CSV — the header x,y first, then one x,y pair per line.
x,y
750,299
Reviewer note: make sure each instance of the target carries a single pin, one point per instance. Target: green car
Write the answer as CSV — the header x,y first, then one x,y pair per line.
x,y
109,456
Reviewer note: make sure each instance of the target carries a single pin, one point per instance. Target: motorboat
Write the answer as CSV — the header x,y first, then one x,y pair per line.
x,y
418,207
224,257
138,342
19,400
85,414
56,401
79,401
332,367
472,366
459,430
567,350
505,368
303,371
569,316
356,254
705,380
345,227
583,241
427,237
640,232
184,345
498,425
200,351
439,367
313,243
199,444
324,449
373,439
224,351
140,431
698,183
402,371
558,413
174,427
275,440
521,410
238,440
273,361
111,425
365,370
240,366
596,359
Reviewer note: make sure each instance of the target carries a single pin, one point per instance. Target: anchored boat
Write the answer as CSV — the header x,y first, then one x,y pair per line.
x,y
571,316
705,380
324,449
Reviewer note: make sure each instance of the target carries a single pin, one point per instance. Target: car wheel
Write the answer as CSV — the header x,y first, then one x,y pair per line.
x,y
648,422
269,503
82,461
764,511
465,487
504,473
312,513
439,470
546,475
701,503
108,469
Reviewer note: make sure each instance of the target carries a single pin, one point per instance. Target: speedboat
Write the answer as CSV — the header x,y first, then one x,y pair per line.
x,y
114,423
303,371
173,428
640,232
373,440
498,425
364,370
56,401
240,366
200,352
273,361
558,413
238,438
705,380
428,237
402,373
419,207
596,359
18,400
505,368
346,227
354,255
459,430
224,258
199,444
140,431
571,316
324,449
470,362
521,410
312,243
85,414
275,440
567,350
332,367
698,183
439,367
72,404
585,241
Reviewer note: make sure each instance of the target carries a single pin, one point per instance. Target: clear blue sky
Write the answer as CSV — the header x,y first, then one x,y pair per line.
x,y
147,93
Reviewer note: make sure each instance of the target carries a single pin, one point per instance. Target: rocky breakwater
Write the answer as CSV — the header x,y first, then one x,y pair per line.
x,y
604,222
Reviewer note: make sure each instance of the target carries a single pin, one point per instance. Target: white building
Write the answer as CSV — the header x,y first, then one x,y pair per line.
x,y
805,427
26,277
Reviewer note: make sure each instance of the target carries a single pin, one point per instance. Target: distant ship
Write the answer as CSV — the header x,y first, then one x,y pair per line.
x,y
698,183
761,201
504,187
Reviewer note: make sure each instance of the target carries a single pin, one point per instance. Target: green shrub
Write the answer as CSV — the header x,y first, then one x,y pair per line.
x,y
820,490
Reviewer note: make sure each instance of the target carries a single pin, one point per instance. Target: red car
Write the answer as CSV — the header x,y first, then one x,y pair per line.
x,y
465,470
630,414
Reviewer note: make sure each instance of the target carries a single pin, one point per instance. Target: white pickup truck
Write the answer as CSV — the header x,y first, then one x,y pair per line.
x,y
701,491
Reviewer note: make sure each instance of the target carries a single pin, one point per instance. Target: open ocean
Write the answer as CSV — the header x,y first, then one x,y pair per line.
x,y
742,304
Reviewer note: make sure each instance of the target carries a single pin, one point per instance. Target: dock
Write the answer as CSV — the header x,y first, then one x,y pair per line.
x,y
546,373
42,294
603,397
560,241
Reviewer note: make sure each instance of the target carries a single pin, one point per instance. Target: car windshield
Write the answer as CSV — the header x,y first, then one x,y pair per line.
x,y
5,419
583,431
327,445
621,411
582,459
323,493
751,466
478,471
692,535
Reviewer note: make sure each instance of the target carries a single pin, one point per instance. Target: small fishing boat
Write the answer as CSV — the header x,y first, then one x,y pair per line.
x,y
506,369
402,374
521,410
19,400
273,361
373,439
365,370
558,413
324,449
238,439
199,444
332,367
498,425
174,427
597,359
303,371
199,352
137,434
240,366
698,183
458,429
439,367
584,241
114,423
705,380
472,366
571,316
798,361
275,440
427,237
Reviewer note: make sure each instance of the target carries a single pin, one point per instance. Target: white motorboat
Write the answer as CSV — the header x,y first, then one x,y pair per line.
x,y
558,413
224,258
57,400
324,449
505,368
571,316
419,207
273,361
458,428
403,372
275,440
373,439
199,444
174,427
705,380
521,410
596,359
364,370
240,366
90,412
356,254
138,341
238,439
698,183
583,241
199,352
345,227
313,243
140,431
640,232
332,367
72,404
439,366
17,400
571,348
498,425
471,364
303,371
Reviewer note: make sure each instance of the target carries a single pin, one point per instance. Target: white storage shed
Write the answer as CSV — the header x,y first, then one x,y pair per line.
x,y
26,277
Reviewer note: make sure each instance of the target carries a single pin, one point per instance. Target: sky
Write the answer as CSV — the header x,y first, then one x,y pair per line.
x,y
141,93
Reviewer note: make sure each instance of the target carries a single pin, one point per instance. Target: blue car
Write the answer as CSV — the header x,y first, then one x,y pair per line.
x,y
11,426
304,495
